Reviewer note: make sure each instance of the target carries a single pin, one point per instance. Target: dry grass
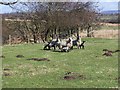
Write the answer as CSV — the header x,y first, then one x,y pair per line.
x,y
110,24
103,34
108,30
106,34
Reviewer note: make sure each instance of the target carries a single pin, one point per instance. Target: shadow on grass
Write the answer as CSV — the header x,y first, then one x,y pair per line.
x,y
52,50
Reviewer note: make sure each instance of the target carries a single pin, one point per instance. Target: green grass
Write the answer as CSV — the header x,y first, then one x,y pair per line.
x,y
99,71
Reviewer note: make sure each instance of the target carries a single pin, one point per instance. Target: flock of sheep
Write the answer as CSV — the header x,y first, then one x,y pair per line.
x,y
64,45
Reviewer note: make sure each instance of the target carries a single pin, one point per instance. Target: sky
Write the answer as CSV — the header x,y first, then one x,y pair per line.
x,y
103,6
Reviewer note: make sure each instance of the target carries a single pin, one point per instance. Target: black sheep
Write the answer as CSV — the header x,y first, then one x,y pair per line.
x,y
82,45
76,42
52,44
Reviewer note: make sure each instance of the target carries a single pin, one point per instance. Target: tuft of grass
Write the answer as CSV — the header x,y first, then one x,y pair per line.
x,y
99,71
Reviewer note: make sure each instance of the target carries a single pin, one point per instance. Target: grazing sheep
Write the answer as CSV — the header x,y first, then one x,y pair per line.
x,y
64,45
69,43
82,45
47,47
68,46
65,49
77,42
54,43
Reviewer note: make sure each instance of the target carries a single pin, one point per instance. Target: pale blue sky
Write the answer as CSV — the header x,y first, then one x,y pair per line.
x,y
104,6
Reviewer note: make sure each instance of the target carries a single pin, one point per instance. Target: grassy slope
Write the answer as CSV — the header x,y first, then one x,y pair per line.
x,y
100,71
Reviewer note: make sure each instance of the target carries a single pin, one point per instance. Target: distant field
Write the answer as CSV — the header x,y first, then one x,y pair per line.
x,y
106,34
109,26
94,70
109,17
106,30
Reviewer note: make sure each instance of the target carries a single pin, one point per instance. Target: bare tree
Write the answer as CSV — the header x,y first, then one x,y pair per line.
x,y
45,19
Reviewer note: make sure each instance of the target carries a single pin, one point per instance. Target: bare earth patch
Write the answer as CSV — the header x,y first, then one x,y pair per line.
x,y
73,75
2,56
19,56
39,59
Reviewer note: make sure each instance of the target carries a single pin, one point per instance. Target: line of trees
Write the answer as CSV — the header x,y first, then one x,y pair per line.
x,y
110,18
42,20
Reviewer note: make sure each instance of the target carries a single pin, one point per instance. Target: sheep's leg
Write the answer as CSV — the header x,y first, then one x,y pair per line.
x,y
71,47
48,47
54,48
82,46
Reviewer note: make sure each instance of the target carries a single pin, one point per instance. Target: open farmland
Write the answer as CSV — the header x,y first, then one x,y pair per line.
x,y
93,69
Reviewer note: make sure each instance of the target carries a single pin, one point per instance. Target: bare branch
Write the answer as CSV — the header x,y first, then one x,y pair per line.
x,y
9,3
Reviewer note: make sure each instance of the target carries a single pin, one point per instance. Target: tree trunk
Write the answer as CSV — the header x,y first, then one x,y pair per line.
x,y
59,32
78,31
55,31
88,31
46,34
10,40
42,37
27,38
68,33
34,37
71,31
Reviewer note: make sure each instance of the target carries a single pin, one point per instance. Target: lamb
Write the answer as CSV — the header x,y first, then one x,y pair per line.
x,y
65,49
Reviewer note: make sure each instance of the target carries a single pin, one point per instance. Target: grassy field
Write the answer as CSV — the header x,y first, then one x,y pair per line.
x,y
94,70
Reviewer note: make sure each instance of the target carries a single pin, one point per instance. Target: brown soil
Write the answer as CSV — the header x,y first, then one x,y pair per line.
x,y
19,56
109,52
6,74
73,75
2,56
69,77
6,69
39,59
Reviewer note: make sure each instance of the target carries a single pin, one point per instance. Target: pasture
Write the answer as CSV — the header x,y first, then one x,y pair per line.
x,y
108,26
93,69
106,30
